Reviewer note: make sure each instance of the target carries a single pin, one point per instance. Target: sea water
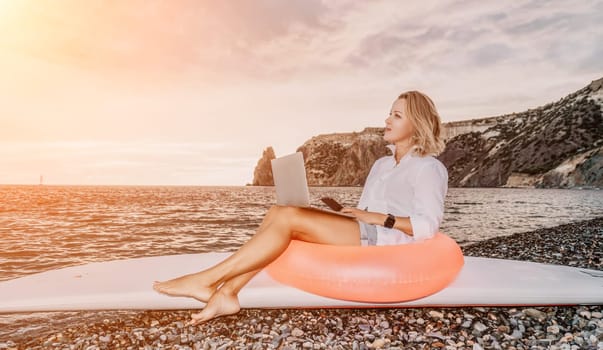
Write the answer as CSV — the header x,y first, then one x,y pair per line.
x,y
48,227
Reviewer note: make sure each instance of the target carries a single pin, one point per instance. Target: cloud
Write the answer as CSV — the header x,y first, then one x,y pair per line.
x,y
471,34
489,54
157,37
270,40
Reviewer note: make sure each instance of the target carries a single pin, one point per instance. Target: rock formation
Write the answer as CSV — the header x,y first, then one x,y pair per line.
x,y
342,159
262,175
556,145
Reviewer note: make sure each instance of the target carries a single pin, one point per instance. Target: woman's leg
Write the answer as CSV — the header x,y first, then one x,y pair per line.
x,y
204,294
283,225
225,300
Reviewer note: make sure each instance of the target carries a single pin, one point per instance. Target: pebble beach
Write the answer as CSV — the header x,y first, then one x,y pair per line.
x,y
576,244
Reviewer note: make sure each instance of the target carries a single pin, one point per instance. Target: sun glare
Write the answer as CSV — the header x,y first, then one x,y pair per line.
x,y
6,6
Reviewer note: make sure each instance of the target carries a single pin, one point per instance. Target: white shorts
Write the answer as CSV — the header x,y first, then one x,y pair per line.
x,y
368,234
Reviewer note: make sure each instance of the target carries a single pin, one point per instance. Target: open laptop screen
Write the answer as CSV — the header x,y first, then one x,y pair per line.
x,y
290,181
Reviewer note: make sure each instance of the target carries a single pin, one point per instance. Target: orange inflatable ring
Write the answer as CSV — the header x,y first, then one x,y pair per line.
x,y
382,274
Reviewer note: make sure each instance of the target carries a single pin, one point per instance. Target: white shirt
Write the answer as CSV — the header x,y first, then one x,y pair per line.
x,y
414,188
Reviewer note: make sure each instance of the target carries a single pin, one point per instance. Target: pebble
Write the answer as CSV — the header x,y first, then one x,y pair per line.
x,y
364,327
553,329
378,343
436,314
535,314
567,337
437,335
296,332
477,328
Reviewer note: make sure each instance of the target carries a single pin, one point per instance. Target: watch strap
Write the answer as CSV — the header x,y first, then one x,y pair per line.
x,y
389,221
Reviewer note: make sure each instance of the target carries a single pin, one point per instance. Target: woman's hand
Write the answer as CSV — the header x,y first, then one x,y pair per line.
x,y
365,216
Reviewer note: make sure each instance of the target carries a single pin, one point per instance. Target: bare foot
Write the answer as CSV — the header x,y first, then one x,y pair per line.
x,y
220,304
191,286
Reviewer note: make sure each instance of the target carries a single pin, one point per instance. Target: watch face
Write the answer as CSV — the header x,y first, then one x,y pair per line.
x,y
390,221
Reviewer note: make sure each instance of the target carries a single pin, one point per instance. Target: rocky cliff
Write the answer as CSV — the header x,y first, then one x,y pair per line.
x,y
342,159
556,145
453,129
262,175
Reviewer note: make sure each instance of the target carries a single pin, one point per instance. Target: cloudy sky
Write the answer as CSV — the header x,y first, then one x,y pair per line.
x,y
190,92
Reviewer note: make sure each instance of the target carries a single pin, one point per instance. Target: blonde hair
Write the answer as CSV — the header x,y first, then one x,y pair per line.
x,y
422,113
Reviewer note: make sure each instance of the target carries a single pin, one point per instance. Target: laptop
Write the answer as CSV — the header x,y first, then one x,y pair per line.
x,y
291,184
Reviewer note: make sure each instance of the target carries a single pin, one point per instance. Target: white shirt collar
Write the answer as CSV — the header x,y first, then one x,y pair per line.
x,y
410,152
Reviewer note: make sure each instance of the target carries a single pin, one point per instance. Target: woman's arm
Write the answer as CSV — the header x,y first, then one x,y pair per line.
x,y
374,218
430,187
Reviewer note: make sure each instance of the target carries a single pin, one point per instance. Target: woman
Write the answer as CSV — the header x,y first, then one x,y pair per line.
x,y
402,201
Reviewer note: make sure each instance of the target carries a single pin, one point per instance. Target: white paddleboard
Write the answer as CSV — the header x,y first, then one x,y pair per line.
x,y
127,284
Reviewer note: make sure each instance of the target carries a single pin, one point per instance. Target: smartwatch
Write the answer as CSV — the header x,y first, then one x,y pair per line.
x,y
390,221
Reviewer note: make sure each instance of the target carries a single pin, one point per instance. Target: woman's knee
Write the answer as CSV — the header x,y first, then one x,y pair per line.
x,y
283,214
296,219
